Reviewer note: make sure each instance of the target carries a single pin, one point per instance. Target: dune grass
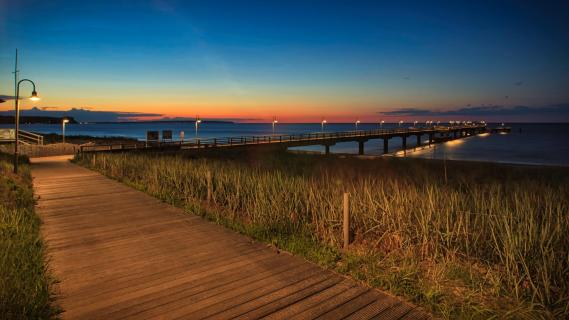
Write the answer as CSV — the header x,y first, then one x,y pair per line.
x,y
489,241
25,285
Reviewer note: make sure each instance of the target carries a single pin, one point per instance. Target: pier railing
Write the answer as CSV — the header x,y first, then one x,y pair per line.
x,y
315,137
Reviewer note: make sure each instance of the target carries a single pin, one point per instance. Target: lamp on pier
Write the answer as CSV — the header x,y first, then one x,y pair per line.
x,y
63,123
197,124
275,121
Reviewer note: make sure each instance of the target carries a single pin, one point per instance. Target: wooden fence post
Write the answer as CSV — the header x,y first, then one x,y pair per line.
x,y
346,220
209,186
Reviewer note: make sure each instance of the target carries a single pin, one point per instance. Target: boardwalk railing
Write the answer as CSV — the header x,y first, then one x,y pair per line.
x,y
24,137
30,137
314,138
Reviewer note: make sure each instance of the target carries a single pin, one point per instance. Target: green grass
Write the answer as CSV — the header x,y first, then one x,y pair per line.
x,y
491,241
25,285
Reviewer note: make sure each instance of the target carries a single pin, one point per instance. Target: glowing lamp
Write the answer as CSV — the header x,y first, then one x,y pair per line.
x,y
34,96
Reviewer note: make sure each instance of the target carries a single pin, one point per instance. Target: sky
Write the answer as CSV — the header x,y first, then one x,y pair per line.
x,y
299,61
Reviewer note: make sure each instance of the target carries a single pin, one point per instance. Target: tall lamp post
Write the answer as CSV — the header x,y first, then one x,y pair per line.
x,y
357,123
275,121
34,97
381,124
197,123
400,123
63,123
322,124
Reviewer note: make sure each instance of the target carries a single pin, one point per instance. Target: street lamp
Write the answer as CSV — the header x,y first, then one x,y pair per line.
x,y
381,124
197,123
275,121
414,123
400,123
63,123
34,97
357,122
322,124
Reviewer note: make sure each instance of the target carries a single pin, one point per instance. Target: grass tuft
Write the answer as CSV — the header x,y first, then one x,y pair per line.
x,y
25,285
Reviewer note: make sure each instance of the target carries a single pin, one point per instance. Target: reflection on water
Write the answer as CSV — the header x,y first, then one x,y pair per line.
x,y
527,143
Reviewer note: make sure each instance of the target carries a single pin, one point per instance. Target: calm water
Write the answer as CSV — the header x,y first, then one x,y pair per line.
x,y
527,143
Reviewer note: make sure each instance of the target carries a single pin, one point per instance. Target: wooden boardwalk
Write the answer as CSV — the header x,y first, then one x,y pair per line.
x,y
120,253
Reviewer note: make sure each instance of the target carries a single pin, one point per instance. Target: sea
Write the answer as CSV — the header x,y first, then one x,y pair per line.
x,y
527,143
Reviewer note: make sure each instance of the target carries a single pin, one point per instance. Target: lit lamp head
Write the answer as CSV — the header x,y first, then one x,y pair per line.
x,y
324,121
65,121
198,121
34,96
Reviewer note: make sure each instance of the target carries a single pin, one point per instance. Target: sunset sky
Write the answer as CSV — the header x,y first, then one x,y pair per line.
x,y
297,60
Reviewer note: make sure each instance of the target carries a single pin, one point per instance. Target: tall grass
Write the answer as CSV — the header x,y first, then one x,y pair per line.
x,y
491,241
25,286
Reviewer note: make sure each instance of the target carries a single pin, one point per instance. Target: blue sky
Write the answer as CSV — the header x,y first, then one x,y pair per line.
x,y
299,60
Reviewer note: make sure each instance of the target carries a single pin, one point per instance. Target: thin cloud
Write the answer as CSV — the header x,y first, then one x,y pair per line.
x,y
84,115
550,110
6,97
210,119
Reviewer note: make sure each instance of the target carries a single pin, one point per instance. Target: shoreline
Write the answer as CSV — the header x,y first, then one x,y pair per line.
x,y
393,156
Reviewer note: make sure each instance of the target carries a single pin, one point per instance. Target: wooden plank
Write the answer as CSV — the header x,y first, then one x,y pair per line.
x,y
343,310
274,306
311,282
324,306
181,293
311,301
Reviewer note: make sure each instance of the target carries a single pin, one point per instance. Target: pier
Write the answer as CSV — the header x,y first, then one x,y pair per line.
x,y
326,139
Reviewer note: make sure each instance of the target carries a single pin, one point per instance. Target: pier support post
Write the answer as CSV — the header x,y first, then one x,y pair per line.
x,y
430,138
327,148
418,140
385,145
404,143
361,147
346,219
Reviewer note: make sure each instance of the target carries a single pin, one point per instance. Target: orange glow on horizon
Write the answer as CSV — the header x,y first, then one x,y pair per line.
x,y
248,108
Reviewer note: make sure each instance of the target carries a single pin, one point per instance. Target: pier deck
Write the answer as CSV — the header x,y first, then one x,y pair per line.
x,y
326,139
120,253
